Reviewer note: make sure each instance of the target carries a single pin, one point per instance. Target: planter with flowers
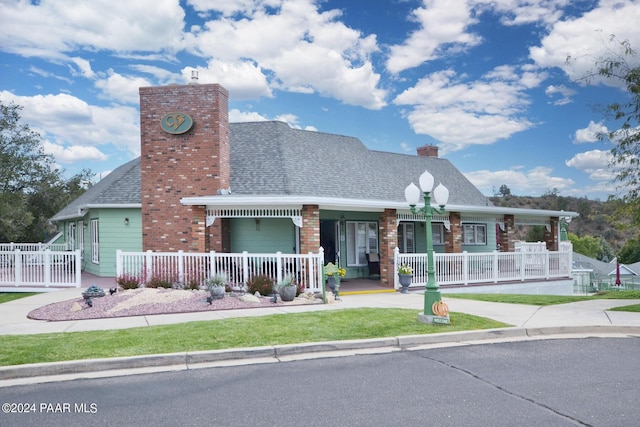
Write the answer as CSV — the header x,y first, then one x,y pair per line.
x,y
405,274
333,277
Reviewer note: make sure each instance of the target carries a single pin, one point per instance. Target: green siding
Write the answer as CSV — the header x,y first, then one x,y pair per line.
x,y
268,235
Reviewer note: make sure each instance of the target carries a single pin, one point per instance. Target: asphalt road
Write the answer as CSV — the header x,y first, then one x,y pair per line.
x,y
594,381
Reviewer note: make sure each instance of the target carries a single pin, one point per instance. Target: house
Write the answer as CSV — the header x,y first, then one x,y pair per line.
x,y
204,184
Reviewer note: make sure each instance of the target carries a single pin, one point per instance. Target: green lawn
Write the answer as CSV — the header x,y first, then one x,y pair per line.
x,y
10,296
319,326
553,299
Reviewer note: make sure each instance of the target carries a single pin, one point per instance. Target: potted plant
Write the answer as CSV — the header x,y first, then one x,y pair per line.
x,y
405,274
333,282
217,285
287,289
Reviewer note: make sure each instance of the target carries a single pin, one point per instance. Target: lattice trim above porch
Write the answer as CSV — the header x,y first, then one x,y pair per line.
x,y
408,216
293,213
532,220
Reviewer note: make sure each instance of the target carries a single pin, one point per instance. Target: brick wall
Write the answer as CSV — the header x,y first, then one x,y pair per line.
x,y
551,236
453,236
388,242
195,163
310,231
507,236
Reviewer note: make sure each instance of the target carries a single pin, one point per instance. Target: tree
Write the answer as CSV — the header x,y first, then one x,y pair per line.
x,y
504,190
619,66
587,245
630,252
32,189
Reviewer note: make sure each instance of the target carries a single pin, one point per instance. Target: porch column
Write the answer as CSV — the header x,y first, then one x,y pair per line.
x,y
551,236
310,231
199,236
508,235
453,236
388,242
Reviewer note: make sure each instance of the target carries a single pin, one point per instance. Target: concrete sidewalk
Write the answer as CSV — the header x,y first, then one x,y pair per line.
x,y
587,318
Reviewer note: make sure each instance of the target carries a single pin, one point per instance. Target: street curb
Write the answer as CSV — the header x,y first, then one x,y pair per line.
x,y
190,360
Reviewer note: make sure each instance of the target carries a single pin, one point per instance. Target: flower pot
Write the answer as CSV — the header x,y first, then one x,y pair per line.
x,y
217,292
331,282
405,281
287,293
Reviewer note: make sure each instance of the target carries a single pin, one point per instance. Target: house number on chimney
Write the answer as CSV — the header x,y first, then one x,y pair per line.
x,y
176,123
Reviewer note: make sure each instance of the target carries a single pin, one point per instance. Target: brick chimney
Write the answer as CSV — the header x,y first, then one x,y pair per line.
x,y
184,152
428,151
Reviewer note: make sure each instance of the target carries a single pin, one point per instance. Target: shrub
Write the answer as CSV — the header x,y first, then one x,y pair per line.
x,y
160,282
128,281
260,283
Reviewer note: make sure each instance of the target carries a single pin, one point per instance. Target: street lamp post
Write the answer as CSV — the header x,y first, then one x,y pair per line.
x,y
433,312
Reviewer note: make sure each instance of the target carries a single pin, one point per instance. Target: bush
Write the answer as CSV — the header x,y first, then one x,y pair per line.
x,y
260,283
128,281
160,282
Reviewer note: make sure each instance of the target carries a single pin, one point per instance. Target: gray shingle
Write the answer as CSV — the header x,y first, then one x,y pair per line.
x,y
271,158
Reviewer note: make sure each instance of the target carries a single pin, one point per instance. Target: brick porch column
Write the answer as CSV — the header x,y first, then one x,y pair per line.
x,y
508,235
551,237
388,242
453,236
310,231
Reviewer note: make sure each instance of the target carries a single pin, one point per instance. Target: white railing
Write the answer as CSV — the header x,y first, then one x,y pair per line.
x,y
487,267
194,268
40,268
32,247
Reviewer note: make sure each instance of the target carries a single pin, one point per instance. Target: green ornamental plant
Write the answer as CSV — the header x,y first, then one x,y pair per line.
x,y
216,280
405,269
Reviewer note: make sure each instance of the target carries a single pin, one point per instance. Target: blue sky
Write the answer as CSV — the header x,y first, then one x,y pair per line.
x,y
486,81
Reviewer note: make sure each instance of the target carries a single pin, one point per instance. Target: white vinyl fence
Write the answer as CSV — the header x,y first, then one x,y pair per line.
x,y
487,267
194,268
40,268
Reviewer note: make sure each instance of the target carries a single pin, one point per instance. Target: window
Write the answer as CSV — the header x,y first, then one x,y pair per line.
x,y
362,239
437,233
474,234
406,238
95,242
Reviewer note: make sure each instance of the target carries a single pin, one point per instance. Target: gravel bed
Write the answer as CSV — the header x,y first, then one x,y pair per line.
x,y
145,301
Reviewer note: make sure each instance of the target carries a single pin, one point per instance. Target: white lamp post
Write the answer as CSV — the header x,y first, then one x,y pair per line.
x,y
432,295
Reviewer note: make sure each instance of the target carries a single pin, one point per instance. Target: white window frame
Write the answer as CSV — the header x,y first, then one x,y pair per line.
x,y
472,234
437,233
407,237
362,239
95,242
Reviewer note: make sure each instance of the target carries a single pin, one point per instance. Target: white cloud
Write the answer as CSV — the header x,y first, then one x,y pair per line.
x,y
564,92
67,121
442,23
518,12
535,181
73,154
123,89
596,163
243,79
293,47
590,133
586,38
460,114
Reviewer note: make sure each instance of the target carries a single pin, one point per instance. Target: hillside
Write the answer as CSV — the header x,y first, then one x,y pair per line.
x,y
598,219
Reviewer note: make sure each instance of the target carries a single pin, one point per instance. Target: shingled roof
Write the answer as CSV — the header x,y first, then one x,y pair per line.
x,y
271,158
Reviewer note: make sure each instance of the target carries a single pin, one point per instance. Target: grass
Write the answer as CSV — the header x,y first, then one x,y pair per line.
x,y
276,329
11,296
554,299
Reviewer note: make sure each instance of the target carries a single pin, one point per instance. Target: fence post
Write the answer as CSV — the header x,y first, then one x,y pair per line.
x,y
118,263
522,266
47,268
465,268
149,265
78,268
245,266
212,264
181,266
547,264
396,264
495,266
278,267
17,262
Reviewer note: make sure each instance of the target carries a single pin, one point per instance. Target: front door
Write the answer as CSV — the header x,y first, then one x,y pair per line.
x,y
330,240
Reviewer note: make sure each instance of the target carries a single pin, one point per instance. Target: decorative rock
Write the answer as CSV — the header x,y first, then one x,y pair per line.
x,y
250,298
331,298
75,307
